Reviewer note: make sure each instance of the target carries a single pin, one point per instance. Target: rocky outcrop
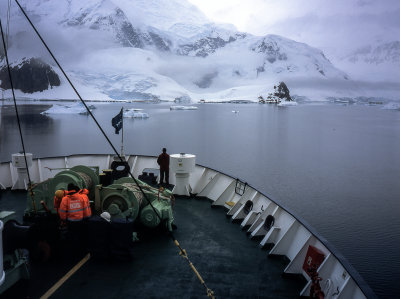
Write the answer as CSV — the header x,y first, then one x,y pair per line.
x,y
271,50
282,92
207,45
31,75
125,33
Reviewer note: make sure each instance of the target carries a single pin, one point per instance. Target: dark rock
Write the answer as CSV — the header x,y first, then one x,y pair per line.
x,y
31,75
271,49
207,45
129,36
282,92
160,43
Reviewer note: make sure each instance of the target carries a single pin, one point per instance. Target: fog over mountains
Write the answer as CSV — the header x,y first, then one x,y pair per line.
x,y
163,49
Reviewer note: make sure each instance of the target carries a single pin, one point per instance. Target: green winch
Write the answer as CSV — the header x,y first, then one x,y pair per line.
x,y
43,193
123,199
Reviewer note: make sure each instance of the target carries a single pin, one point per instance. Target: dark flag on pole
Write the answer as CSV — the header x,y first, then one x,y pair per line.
x,y
117,122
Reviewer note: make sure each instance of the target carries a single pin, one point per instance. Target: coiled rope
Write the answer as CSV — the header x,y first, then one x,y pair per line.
x,y
182,252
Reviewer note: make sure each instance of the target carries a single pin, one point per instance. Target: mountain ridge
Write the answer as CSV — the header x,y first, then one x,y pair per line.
x,y
176,58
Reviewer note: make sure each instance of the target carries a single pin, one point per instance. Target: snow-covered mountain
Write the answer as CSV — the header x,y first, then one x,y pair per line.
x,y
152,49
388,52
378,61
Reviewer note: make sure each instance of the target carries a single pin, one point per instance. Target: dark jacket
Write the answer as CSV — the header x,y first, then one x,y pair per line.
x,y
163,161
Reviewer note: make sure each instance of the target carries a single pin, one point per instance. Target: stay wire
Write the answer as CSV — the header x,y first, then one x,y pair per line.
x,y
8,24
16,112
182,251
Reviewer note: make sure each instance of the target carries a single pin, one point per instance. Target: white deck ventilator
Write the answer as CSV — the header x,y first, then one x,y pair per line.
x,y
18,161
182,165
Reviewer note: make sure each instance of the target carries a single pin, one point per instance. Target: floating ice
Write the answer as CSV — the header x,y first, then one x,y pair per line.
x,y
392,106
76,108
183,108
287,103
135,113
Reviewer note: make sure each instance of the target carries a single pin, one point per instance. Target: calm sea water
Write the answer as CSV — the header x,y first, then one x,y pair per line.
x,y
337,167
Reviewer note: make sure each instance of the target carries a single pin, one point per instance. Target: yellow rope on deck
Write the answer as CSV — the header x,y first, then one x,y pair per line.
x,y
182,252
65,277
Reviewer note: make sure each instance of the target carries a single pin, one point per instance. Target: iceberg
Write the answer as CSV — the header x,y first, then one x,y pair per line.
x,y
287,103
76,108
183,108
392,106
135,113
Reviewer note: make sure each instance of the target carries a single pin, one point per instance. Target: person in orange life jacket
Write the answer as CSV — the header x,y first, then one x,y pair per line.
x,y
59,194
74,205
163,161
87,210
74,209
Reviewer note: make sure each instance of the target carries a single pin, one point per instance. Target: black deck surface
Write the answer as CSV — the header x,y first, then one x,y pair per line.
x,y
232,265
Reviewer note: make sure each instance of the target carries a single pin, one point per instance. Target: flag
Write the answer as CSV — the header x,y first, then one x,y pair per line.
x,y
117,122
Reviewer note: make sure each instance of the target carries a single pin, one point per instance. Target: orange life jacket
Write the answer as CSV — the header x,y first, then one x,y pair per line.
x,y
87,212
73,207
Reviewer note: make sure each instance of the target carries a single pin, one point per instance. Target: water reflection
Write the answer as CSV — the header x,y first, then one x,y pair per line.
x,y
35,127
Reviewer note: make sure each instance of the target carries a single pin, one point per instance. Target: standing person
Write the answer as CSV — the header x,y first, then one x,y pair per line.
x,y
87,211
73,209
163,161
58,196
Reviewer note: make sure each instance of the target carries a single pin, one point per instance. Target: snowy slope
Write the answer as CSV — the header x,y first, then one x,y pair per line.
x,y
378,61
381,53
153,49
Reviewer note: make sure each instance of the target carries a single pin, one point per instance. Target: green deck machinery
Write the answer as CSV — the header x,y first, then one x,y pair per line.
x,y
81,176
122,199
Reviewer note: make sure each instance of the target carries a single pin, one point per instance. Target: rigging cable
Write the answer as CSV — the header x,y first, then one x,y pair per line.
x,y
8,24
18,119
182,252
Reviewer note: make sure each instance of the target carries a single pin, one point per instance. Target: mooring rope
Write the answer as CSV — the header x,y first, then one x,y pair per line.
x,y
182,252
18,119
71,272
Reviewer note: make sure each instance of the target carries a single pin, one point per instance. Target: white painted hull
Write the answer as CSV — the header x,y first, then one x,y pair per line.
x,y
289,236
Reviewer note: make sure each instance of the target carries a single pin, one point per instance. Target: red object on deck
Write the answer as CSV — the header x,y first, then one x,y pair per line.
x,y
313,260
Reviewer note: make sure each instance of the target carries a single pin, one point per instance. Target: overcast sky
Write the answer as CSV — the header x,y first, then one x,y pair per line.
x,y
335,26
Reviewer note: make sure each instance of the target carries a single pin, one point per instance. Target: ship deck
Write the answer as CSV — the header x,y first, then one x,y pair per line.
x,y
232,265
